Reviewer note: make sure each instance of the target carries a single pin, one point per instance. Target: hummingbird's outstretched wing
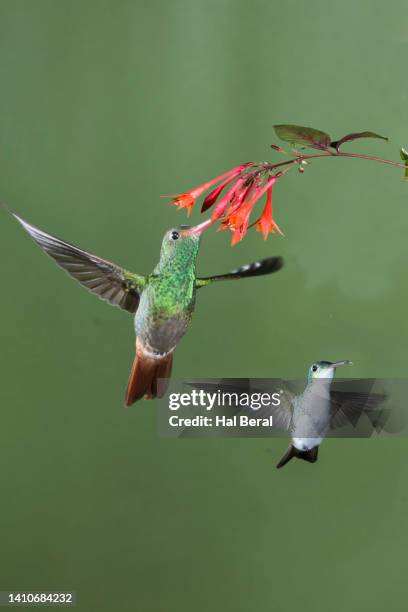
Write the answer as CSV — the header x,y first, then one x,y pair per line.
x,y
110,282
347,408
257,268
282,413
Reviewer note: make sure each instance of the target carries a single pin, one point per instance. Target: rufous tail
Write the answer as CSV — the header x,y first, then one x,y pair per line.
x,y
146,369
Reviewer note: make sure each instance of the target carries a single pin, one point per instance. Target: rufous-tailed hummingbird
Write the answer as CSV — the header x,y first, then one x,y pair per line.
x,y
162,302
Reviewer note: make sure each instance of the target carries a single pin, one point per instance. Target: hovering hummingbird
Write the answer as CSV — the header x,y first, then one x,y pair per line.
x,y
311,415
163,301
308,415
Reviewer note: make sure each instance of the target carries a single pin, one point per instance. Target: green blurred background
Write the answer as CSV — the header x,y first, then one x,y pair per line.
x,y
104,106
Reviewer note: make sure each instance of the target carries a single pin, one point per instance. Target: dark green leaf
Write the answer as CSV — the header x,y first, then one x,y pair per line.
x,y
354,136
308,137
404,157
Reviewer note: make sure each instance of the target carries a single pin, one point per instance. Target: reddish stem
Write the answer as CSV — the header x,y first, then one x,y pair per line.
x,y
298,159
371,158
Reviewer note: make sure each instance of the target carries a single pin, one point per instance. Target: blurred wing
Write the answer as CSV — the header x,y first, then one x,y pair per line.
x,y
108,281
282,414
257,268
347,407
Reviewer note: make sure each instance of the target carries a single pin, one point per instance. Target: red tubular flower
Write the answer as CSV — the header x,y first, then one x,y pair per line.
x,y
212,197
239,197
266,223
244,185
184,200
188,198
238,218
227,198
239,222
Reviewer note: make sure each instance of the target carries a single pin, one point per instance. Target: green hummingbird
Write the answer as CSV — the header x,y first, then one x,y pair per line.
x,y
162,302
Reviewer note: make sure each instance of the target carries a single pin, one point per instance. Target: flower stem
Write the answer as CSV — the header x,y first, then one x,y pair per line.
x,y
299,158
371,158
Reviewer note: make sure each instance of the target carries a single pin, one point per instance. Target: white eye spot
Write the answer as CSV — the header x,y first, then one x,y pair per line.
x,y
257,264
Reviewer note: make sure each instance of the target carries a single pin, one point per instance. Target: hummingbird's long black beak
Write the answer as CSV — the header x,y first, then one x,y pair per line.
x,y
336,364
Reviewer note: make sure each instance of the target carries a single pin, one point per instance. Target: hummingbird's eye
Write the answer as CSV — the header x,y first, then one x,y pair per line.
x,y
314,368
174,235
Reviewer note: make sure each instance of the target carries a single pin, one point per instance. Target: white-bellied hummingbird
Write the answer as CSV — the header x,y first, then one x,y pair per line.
x,y
348,405
311,415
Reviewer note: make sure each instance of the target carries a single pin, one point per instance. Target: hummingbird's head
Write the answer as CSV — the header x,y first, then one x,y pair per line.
x,y
325,369
179,243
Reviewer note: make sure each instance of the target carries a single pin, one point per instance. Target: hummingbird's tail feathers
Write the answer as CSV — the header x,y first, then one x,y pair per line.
x,y
146,370
163,372
257,268
289,454
308,455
